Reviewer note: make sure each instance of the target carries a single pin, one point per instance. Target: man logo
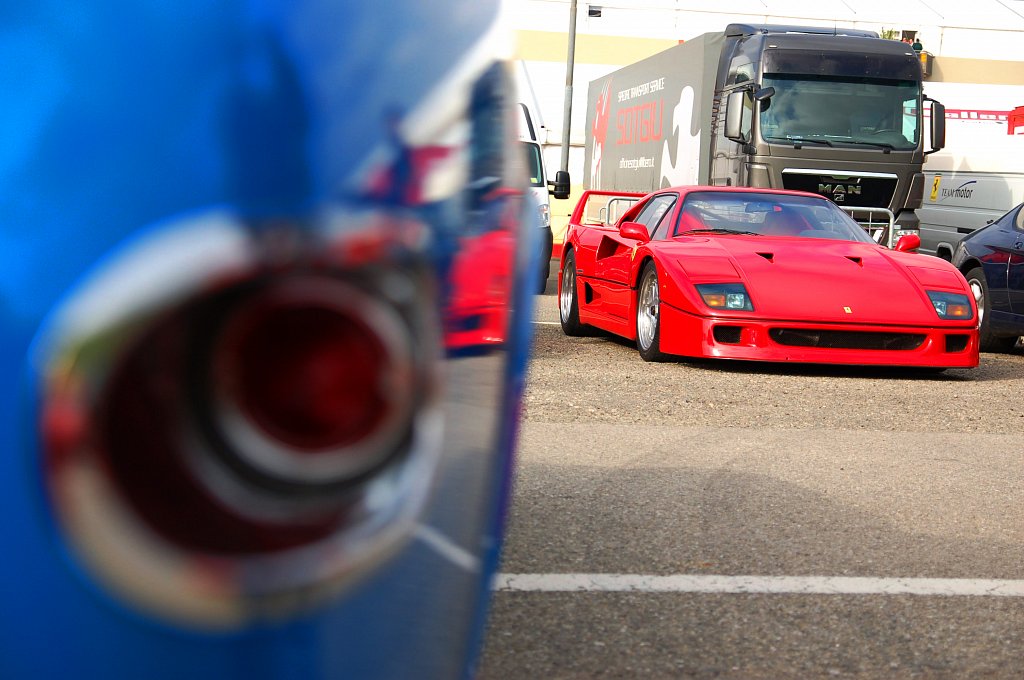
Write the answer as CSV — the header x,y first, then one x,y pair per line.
x,y
839,192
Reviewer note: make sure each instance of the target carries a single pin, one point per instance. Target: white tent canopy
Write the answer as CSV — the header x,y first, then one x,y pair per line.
x,y
979,29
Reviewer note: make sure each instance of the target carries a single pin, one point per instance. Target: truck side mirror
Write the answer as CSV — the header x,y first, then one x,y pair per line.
x,y
938,126
734,117
560,187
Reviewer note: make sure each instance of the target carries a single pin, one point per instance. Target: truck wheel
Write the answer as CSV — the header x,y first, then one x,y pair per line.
x,y
568,302
648,316
988,342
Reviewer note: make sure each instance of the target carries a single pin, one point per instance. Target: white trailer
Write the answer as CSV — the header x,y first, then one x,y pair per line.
x,y
979,175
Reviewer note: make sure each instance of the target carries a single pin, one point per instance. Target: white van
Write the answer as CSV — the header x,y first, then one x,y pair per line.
x,y
539,191
957,202
976,179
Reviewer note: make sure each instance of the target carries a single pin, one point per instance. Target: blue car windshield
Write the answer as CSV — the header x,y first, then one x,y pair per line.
x,y
747,212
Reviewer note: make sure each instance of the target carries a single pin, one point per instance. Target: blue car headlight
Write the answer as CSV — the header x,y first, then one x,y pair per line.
x,y
732,296
954,306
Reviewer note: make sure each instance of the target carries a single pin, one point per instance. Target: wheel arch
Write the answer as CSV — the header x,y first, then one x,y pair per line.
x,y
671,277
638,271
567,248
969,264
945,251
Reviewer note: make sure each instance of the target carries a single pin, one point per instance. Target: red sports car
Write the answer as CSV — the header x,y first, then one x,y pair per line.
x,y
759,274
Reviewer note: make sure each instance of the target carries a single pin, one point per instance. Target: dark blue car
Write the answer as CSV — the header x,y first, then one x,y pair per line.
x,y
992,260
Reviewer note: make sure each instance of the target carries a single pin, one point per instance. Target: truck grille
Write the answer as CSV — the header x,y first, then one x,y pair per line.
x,y
830,339
844,189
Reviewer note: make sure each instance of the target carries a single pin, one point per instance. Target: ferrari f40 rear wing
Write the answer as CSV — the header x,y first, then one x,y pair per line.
x,y
603,208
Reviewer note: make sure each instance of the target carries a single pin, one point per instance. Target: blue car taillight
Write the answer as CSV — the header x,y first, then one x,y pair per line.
x,y
248,437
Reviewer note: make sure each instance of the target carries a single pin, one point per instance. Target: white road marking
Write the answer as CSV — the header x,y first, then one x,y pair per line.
x,y
447,548
708,583
548,323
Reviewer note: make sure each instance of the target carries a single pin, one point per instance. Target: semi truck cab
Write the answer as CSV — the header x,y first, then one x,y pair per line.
x,y
834,112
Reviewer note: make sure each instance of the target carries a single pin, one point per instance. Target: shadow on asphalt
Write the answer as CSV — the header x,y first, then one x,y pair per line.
x,y
677,519
992,366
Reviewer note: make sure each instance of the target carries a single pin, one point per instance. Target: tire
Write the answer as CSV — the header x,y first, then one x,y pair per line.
x,y
542,279
545,260
648,316
568,300
987,340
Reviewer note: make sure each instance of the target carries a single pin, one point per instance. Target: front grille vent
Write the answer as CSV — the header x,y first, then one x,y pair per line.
x,y
956,343
853,191
729,335
830,339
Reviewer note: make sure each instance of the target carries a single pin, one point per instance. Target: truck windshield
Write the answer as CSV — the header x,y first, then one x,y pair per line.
x,y
837,111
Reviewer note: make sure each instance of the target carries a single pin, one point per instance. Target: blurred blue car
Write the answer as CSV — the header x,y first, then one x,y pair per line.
x,y
235,442
992,260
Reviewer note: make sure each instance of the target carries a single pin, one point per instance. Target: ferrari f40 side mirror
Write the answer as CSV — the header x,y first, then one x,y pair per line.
x,y
635,231
908,243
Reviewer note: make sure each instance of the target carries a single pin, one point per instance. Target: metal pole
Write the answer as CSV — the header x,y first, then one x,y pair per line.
x,y
567,107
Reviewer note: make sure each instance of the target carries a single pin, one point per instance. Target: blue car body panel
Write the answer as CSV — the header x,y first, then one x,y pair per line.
x,y
999,250
123,120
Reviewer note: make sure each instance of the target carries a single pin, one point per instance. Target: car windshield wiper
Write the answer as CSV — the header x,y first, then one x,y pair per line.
x,y
797,141
720,230
881,145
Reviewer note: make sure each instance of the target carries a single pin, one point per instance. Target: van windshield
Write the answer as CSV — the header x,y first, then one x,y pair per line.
x,y
534,165
836,111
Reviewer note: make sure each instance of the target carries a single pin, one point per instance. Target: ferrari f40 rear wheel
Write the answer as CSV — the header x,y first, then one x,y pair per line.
x,y
568,301
648,316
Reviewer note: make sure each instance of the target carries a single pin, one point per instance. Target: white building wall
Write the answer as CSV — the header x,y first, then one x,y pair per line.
x,y
978,29
971,29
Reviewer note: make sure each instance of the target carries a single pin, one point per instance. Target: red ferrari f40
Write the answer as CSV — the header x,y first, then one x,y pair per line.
x,y
758,274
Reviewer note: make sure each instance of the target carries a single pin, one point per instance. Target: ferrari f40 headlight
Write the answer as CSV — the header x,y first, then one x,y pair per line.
x,y
731,296
951,305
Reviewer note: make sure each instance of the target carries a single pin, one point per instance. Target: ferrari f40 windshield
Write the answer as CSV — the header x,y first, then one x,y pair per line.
x,y
722,212
853,111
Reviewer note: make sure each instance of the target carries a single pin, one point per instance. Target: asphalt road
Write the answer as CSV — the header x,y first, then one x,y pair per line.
x,y
762,471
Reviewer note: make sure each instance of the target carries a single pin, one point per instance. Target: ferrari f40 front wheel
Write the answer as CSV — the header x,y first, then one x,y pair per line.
x,y
648,316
